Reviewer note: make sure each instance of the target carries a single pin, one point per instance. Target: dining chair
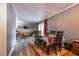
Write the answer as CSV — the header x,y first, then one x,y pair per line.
x,y
58,41
36,39
53,32
57,44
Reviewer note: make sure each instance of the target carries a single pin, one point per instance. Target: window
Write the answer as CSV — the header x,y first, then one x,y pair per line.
x,y
41,28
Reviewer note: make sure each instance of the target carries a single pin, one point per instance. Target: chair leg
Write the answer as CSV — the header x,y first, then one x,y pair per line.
x,y
47,50
55,49
60,47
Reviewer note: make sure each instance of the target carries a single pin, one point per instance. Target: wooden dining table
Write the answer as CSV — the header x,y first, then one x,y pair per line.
x,y
49,40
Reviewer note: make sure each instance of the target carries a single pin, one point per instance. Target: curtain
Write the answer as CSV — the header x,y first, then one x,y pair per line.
x,y
45,26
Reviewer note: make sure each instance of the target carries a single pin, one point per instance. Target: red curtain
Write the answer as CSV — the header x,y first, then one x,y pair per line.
x,y
45,26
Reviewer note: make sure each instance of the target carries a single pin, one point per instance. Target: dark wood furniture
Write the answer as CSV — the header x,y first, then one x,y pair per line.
x,y
36,39
53,32
55,45
58,41
43,45
68,45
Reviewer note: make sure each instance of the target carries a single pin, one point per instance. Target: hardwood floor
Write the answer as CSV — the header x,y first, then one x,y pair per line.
x,y
64,52
25,47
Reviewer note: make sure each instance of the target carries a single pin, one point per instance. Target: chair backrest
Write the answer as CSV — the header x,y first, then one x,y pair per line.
x,y
53,32
59,35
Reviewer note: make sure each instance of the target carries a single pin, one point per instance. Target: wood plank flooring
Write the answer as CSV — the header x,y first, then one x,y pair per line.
x,y
64,52
25,47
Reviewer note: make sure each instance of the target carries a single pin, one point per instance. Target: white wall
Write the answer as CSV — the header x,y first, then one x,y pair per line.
x,y
68,21
3,32
11,26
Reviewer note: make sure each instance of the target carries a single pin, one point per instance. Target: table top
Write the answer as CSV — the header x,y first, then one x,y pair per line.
x,y
45,39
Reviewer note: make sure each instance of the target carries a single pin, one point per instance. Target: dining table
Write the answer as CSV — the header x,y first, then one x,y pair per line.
x,y
49,40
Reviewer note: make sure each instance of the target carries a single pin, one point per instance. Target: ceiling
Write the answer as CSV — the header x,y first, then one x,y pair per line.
x,y
36,12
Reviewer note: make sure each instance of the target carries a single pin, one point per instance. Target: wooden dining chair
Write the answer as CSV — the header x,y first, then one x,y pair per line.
x,y
57,44
53,32
58,41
